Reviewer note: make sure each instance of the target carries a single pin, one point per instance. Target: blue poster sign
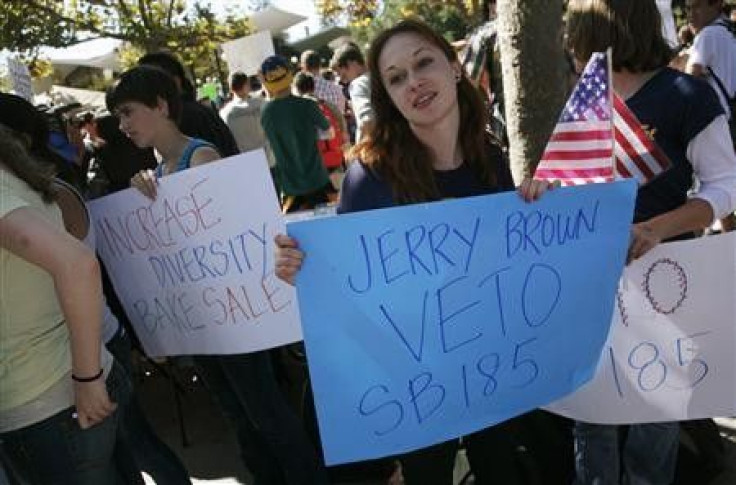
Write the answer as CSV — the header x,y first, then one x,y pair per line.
x,y
428,322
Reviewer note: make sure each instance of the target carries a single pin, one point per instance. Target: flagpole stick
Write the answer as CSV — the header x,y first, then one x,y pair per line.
x,y
609,60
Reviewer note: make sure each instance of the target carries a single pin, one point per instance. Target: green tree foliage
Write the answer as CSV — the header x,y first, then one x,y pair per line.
x,y
352,11
191,31
452,18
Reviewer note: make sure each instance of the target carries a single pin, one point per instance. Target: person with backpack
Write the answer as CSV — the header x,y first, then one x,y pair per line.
x,y
290,123
689,125
331,143
713,57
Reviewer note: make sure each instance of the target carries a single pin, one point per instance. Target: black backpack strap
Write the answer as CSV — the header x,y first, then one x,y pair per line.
x,y
730,27
727,24
720,85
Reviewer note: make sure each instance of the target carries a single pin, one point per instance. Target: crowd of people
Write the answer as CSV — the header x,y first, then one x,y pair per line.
x,y
410,122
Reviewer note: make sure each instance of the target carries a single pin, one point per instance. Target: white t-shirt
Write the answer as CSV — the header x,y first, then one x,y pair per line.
x,y
360,97
714,163
715,47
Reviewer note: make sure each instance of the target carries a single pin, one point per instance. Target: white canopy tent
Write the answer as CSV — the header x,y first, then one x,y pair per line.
x,y
59,95
101,53
275,19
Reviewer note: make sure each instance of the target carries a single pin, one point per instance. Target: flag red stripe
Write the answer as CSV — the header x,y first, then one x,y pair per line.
x,y
620,108
622,170
573,155
546,173
640,163
581,135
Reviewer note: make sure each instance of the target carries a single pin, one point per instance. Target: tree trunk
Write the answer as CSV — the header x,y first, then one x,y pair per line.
x,y
534,76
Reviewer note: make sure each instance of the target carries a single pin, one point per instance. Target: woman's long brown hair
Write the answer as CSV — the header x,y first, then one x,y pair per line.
x,y
392,149
16,157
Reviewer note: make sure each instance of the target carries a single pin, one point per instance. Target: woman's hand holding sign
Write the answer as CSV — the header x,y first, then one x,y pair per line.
x,y
288,258
146,182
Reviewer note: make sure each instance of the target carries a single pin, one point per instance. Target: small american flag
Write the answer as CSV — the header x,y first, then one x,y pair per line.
x,y
580,150
596,142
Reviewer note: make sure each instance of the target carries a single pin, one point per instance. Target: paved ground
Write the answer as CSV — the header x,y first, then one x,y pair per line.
x,y
201,438
190,424
209,451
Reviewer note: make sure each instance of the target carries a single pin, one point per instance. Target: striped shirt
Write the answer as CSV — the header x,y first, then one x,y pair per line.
x,y
330,92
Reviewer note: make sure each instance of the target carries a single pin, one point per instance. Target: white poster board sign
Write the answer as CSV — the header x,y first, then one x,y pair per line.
x,y
246,54
20,78
671,354
194,268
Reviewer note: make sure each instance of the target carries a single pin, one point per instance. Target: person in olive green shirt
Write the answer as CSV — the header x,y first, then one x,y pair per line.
x,y
290,123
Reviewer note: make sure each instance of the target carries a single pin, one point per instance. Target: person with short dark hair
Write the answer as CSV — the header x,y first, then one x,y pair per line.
x,y
304,83
148,85
713,50
243,116
145,99
238,81
334,141
346,56
290,123
688,123
323,89
349,64
196,120
712,56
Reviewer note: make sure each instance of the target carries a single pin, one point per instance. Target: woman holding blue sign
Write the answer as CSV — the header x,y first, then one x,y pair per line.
x,y
428,144
686,120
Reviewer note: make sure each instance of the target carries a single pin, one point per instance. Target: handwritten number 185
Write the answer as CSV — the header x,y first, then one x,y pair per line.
x,y
652,370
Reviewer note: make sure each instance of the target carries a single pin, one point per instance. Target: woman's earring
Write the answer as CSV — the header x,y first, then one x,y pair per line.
x,y
458,76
